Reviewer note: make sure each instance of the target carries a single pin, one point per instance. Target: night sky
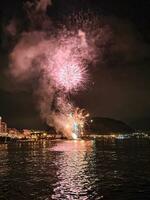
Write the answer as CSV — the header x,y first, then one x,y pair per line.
x,y
121,83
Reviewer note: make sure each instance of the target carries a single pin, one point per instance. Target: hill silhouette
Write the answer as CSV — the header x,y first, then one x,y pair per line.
x,y
107,125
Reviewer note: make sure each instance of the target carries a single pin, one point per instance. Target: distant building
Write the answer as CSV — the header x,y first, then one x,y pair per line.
x,y
12,131
27,133
3,126
0,123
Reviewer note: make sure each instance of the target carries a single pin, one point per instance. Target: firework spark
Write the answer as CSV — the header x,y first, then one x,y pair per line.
x,y
67,64
57,60
71,122
70,77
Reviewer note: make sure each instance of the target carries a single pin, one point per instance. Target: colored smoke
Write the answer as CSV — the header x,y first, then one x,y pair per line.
x,y
57,61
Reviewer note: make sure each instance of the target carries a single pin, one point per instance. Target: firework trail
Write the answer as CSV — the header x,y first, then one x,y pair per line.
x,y
57,59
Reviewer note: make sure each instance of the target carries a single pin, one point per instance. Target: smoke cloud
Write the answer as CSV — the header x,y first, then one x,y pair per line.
x,y
11,28
43,4
57,61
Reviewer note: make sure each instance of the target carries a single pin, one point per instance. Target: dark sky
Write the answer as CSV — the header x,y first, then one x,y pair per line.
x,y
121,88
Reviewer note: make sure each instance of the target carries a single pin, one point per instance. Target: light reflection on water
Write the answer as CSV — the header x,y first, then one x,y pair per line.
x,y
68,170
74,180
3,159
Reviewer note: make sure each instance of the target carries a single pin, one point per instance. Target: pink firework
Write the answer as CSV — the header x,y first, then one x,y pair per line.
x,y
67,63
71,77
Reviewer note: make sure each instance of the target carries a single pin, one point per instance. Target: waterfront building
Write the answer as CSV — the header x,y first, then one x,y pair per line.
x,y
0,123
3,126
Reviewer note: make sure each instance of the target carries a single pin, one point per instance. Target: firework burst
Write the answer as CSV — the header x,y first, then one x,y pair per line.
x,y
57,58
70,77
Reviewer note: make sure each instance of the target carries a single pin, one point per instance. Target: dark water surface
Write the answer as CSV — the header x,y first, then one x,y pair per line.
x,y
91,170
